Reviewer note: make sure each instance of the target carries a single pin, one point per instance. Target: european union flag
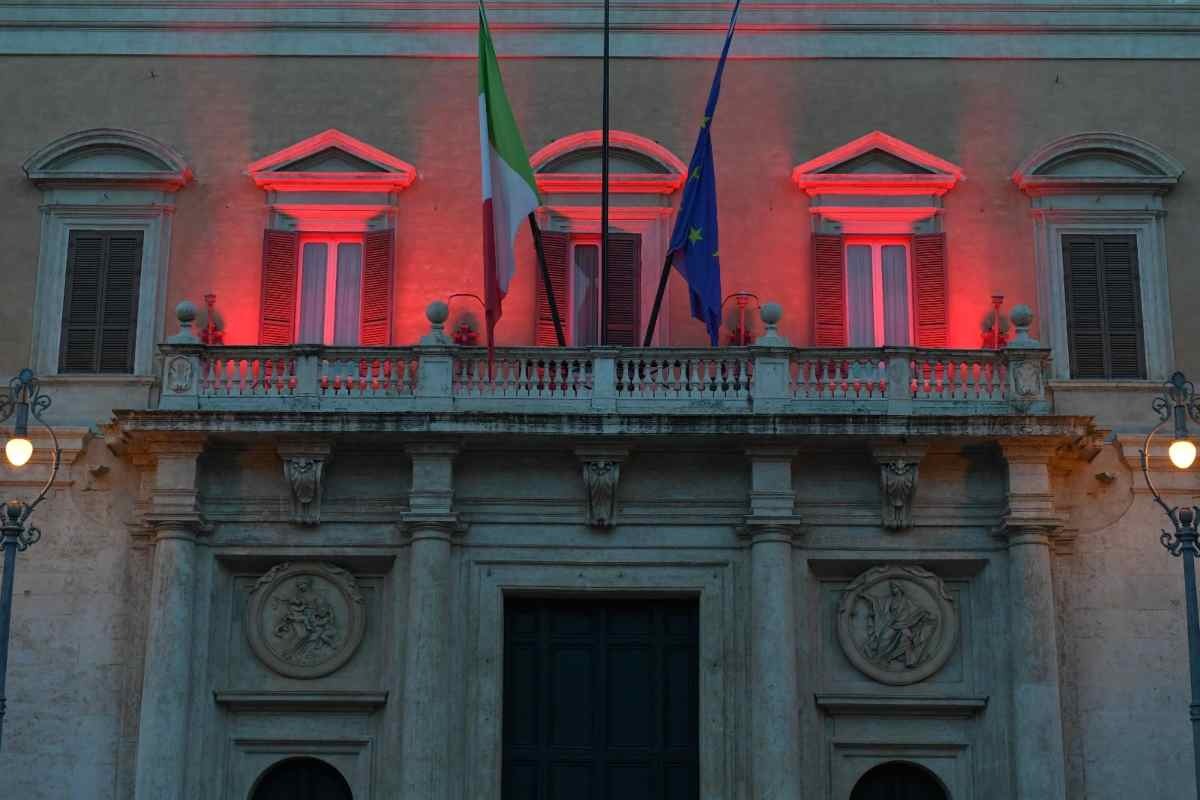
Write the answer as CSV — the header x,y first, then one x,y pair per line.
x,y
693,248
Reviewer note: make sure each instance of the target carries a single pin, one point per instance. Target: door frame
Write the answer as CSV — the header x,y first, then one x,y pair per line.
x,y
719,652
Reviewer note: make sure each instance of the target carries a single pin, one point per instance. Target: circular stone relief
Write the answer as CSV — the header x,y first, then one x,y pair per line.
x,y
897,624
305,620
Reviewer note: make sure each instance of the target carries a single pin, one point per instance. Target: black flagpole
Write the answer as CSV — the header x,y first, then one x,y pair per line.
x,y
658,298
604,195
541,257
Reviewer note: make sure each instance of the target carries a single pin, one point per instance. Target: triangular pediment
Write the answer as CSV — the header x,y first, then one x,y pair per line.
x,y
331,161
876,158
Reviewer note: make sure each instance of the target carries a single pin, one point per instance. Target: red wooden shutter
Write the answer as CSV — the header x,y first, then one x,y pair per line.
x,y
623,290
375,320
829,290
1104,319
280,265
556,246
100,303
930,293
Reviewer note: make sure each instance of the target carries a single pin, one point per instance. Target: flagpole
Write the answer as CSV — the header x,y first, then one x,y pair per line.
x,y
541,257
604,193
658,298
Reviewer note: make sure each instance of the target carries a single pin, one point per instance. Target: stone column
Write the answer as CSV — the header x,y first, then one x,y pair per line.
x,y
1029,525
174,518
430,523
774,691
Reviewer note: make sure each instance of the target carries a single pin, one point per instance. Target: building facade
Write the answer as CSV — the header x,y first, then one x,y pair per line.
x,y
308,542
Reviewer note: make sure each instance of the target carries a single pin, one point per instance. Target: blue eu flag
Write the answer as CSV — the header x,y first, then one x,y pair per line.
x,y
693,248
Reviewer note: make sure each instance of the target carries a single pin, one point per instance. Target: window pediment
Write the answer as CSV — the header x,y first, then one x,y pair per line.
x,y
108,156
1097,161
572,164
877,164
331,161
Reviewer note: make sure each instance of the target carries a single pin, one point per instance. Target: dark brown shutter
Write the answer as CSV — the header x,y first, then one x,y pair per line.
x,y
280,265
376,318
100,301
622,290
930,293
556,246
829,290
1104,310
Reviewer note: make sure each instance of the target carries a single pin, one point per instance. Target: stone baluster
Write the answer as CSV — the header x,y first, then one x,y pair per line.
x,y
1029,525
173,515
771,528
431,524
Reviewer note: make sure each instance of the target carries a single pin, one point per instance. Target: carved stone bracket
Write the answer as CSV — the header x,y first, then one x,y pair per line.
x,y
897,624
305,620
898,467
304,468
601,474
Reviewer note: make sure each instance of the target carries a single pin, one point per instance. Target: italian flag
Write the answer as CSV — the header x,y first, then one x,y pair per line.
x,y
509,191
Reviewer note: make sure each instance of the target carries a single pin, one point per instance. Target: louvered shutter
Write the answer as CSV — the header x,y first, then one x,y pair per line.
x,y
556,246
100,301
376,318
1104,319
622,290
930,293
280,264
829,290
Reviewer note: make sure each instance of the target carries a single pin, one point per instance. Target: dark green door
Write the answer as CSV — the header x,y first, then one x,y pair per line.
x,y
601,700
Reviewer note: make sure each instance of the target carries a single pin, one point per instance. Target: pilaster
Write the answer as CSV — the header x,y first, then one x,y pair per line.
x,y
1029,525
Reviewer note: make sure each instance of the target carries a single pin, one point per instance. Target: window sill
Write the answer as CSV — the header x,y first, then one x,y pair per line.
x,y
1092,384
83,379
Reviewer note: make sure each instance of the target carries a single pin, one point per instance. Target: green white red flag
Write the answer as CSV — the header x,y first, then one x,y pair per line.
x,y
509,191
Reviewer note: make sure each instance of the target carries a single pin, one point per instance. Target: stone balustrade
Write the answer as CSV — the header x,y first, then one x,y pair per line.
x,y
768,377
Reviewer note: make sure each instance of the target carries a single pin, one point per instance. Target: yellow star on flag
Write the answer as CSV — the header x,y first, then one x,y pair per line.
x,y
695,173
704,122
694,235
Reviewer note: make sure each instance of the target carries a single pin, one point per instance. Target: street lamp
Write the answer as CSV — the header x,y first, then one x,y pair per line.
x,y
24,399
1177,403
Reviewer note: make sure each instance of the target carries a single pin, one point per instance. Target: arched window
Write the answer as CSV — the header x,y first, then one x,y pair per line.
x,y
898,781
301,779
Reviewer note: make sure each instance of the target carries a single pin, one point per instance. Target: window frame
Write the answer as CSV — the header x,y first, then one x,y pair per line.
x,y
585,240
877,243
332,240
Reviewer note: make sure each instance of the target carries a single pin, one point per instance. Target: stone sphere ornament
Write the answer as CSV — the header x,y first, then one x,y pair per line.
x,y
897,624
305,619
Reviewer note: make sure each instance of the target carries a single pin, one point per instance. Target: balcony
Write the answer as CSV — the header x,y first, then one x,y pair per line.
x,y
770,378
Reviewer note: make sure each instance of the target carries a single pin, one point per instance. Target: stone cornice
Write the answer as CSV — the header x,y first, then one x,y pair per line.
x,y
443,28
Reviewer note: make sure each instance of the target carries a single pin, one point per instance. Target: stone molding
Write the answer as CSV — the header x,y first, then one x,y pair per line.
x,y
904,706
300,701
898,468
913,625
1061,30
305,619
304,465
601,468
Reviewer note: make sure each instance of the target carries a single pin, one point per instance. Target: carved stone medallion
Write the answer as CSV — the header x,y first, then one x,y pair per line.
x,y
897,624
305,620
179,374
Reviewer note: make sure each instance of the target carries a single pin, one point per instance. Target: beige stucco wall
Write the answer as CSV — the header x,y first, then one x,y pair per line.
x,y
224,113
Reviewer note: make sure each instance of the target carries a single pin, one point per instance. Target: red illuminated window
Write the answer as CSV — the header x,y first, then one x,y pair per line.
x,y
878,299
593,312
330,289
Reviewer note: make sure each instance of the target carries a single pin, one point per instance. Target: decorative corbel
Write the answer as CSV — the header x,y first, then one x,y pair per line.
x,y
898,467
304,468
601,474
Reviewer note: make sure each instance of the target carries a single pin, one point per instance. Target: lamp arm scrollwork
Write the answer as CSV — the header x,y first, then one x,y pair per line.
x,y
1144,453
25,388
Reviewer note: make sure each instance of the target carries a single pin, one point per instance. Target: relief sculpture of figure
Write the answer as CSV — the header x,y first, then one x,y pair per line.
x,y
899,629
309,619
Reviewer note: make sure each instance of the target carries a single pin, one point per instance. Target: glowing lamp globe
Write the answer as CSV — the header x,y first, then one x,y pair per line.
x,y
1182,453
18,450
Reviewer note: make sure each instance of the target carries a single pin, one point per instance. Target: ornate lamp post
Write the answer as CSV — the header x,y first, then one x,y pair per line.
x,y
1177,403
24,399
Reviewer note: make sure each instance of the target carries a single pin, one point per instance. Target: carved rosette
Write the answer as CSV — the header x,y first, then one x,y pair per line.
x,y
897,624
305,619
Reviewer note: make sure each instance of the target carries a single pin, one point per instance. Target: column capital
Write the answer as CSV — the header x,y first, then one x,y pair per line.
x,y
771,528
1029,451
769,452
433,450
425,525
177,444
1030,528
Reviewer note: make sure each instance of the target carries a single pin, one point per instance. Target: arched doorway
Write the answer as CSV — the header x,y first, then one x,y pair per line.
x,y
898,781
301,779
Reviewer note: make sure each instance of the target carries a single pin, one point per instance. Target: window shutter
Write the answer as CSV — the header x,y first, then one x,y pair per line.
x,y
930,294
100,303
829,291
280,263
622,290
556,247
1104,320
376,317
